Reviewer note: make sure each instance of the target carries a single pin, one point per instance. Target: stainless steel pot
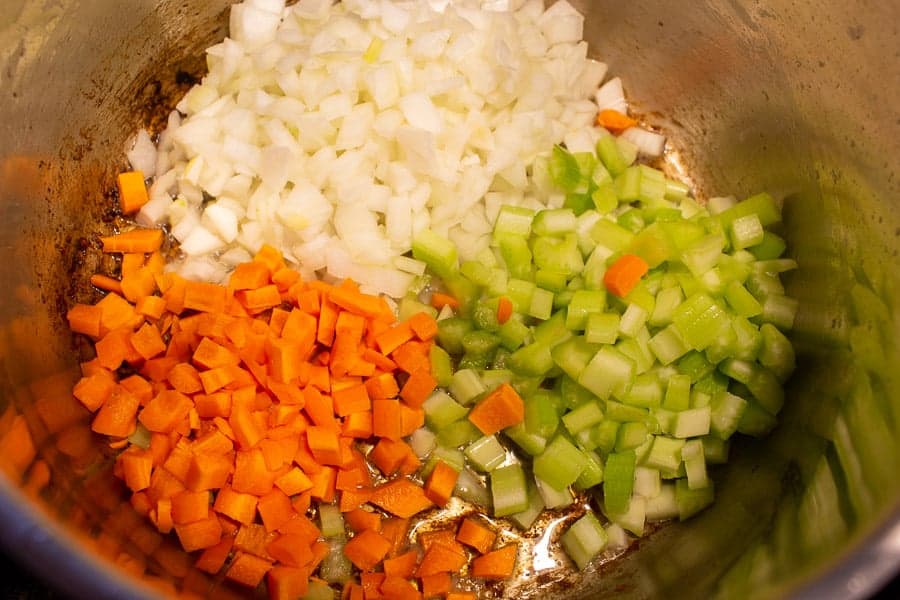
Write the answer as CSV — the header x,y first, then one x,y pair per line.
x,y
798,98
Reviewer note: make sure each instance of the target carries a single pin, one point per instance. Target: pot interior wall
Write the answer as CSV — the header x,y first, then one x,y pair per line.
x,y
796,100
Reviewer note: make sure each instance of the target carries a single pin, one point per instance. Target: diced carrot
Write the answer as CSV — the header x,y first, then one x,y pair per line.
x,y
473,533
398,588
388,455
440,483
360,519
353,499
394,337
498,564
271,257
401,497
460,595
382,386
260,299
132,191
287,583
323,443
115,312
247,431
412,356
352,300
213,405
403,566
324,482
293,482
164,411
84,318
351,400
137,285
366,549
625,273
106,283
504,309
436,585
424,326
210,355
115,348
136,466
136,240
208,472
441,558
199,534
328,315
352,591
250,275
410,419
371,583
94,391
151,306
501,408
250,473
379,360
358,425
446,536
439,301
418,387
615,121
386,418
116,418
238,506
275,509
248,569
213,558
188,506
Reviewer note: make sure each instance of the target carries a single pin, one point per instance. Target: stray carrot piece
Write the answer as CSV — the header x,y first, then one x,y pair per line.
x,y
352,591
360,519
418,387
353,499
250,473
398,588
136,466
412,357
84,318
371,584
394,337
424,326
250,275
116,418
460,595
213,405
287,583
328,315
615,121
386,418
473,533
401,497
270,257
354,301
284,278
438,584
498,564
94,391
136,240
199,534
382,386
501,408
504,309
625,273
248,569
366,549
402,566
410,419
238,506
213,558
447,537
439,301
260,299
324,482
137,285
188,506
440,483
106,283
441,558
388,455
185,378
132,191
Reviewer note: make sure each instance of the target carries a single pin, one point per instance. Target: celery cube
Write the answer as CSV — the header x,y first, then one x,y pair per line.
x,y
560,463
618,481
486,453
584,540
508,490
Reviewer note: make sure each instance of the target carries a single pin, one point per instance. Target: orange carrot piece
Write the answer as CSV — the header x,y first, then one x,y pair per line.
x,y
213,558
352,591
625,273
250,473
498,564
324,445
473,533
501,408
440,483
137,285
460,595
116,418
253,538
188,506
260,299
115,348
238,506
185,378
84,318
394,337
354,301
388,455
371,584
94,391
248,569
358,425
324,482
250,275
293,482
136,466
106,283
439,301
132,191
147,341
210,355
402,566
353,499
208,472
398,588
379,360
418,387
353,399
366,549
136,240
287,583
441,558
436,585
412,357
382,386
213,405
386,418
275,509
504,309
410,419
328,315
424,326
447,537
615,121
360,519
165,411
199,534
401,497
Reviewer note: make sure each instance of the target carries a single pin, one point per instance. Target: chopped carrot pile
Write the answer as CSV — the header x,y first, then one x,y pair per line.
x,y
238,410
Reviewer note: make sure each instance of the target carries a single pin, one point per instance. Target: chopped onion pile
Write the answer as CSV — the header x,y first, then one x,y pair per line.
x,y
336,132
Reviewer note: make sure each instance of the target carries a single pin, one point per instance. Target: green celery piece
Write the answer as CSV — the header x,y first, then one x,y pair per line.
x,y
554,221
746,231
565,170
470,488
592,474
604,435
479,343
712,384
410,305
689,501
572,394
748,339
520,293
630,436
634,517
678,393
647,482
475,361
514,220
695,464
508,490
452,456
487,257
560,464
726,412
526,385
541,418
466,386
699,319
608,372
653,245
692,422
553,281
665,453
498,282
624,413
495,377
466,292
595,268
779,310
533,360
628,184
553,498
618,481
663,506
641,296
741,301
715,449
667,300
513,333
703,254
552,331
527,517
558,254
777,353
762,205
318,590
632,320
637,350
476,272
441,410
584,439
602,328
584,540
762,285
583,417
578,203
532,444
573,355
653,189
541,306
583,304
458,434
441,368
612,235
605,198
724,346
600,175
771,246
677,190
732,269
766,389
611,155
331,521
436,251
645,392
756,420
516,255
694,365
632,220
668,345
682,234
335,567
486,453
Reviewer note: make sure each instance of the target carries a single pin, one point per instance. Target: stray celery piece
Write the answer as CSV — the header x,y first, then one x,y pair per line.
x,y
667,345
762,205
541,417
665,453
611,235
776,353
604,435
331,521
525,518
318,590
689,501
513,333
560,464
742,302
552,331
336,567
441,410
584,540
678,393
516,255
611,155
771,246
514,220
572,394
451,332
486,453
573,355
585,416
451,456
553,281
441,368
692,422
476,272
465,386
541,306
726,412
531,443
583,304
458,434
608,372
618,481
602,328
699,319
565,170
472,489
592,474
476,343
508,490
553,498
746,231
555,221
436,251
520,292
605,198
532,360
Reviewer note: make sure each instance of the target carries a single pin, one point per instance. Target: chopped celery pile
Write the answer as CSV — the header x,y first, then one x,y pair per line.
x,y
629,392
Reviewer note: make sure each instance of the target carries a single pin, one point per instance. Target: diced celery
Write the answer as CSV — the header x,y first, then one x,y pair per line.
x,y
498,282
331,521
532,444
475,361
776,353
520,291
318,590
556,221
695,464
552,331
533,360
646,391
541,306
422,441
634,516
508,490
513,333
771,246
665,453
779,310
524,519
633,319
573,355
441,410
410,305
662,506
647,482
699,320
715,449
478,343
572,394
605,198
746,231
689,501
450,456
585,416
140,437
560,463
583,304
494,377
677,190
632,220
516,255
486,453
514,220
526,385
602,328
763,285
611,155
695,365
451,332
618,481
470,488
628,184
604,435
692,422
558,254
457,434
667,345
727,410
762,205
756,420
608,372
441,368
592,474
595,268
564,170
484,316
584,540
631,435
436,251
553,281
741,301
578,203
611,235
476,272
552,497
766,389
678,392
541,418
465,386
336,567
703,254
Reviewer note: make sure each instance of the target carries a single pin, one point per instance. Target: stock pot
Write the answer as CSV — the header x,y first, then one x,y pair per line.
x,y
794,97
